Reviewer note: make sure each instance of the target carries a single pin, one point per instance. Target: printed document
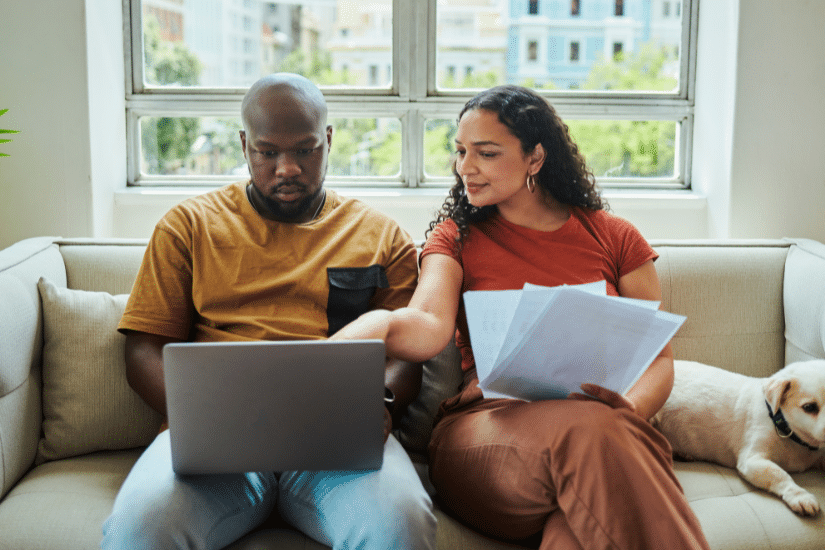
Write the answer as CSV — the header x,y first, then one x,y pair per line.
x,y
544,342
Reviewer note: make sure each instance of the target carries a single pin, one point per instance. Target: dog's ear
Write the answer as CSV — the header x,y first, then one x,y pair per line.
x,y
776,388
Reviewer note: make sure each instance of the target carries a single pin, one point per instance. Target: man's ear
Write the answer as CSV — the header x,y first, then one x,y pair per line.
x,y
537,158
329,136
776,388
242,133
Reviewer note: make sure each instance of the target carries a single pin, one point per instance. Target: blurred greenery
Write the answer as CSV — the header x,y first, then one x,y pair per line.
x,y
167,141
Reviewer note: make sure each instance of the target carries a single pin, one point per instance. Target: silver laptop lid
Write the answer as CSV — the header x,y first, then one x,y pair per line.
x,y
275,406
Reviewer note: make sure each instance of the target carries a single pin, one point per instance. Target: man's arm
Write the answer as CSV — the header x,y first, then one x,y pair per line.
x,y
144,367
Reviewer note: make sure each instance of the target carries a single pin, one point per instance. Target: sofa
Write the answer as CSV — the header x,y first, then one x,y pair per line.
x,y
71,428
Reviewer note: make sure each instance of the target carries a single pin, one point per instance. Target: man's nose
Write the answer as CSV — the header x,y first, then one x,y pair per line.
x,y
286,164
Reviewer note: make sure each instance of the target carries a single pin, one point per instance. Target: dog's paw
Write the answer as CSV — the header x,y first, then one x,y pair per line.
x,y
801,501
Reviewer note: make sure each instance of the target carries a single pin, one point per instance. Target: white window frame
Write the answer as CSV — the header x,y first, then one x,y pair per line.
x,y
412,97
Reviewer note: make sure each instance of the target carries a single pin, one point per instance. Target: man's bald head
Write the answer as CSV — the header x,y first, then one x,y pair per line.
x,y
273,91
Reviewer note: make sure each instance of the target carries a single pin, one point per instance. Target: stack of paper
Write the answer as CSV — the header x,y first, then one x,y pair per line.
x,y
544,342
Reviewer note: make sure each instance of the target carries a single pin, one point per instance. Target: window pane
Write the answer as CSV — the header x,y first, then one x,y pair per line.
x,y
226,43
191,146
210,146
365,147
504,42
612,148
627,148
439,146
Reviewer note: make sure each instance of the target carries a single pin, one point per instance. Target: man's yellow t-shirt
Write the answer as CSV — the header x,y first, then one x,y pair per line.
x,y
216,270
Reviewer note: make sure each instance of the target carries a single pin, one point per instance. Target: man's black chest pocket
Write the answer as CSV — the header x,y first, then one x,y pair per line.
x,y
350,292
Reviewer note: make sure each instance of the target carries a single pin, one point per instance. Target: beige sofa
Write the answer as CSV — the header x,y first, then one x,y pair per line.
x,y
70,427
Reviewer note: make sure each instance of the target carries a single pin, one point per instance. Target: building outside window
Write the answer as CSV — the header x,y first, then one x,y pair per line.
x,y
393,102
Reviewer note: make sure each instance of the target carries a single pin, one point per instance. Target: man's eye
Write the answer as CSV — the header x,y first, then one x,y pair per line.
x,y
304,152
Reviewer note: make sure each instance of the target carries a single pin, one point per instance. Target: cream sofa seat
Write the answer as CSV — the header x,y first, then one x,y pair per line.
x,y
70,430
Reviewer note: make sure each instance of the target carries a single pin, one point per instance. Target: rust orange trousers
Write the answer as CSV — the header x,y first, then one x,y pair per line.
x,y
584,475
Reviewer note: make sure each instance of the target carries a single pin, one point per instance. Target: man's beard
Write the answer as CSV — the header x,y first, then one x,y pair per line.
x,y
292,212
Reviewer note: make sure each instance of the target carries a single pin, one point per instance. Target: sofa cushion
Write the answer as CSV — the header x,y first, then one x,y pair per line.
x,y
61,505
87,402
731,294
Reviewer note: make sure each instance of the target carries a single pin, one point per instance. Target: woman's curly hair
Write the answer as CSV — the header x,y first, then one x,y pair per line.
x,y
564,176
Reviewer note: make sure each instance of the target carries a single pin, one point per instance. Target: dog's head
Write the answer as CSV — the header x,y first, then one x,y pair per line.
x,y
799,391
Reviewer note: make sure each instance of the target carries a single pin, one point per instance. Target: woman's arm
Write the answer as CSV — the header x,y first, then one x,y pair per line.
x,y
423,328
653,388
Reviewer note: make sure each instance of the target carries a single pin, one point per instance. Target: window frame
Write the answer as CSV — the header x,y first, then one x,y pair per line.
x,y
412,97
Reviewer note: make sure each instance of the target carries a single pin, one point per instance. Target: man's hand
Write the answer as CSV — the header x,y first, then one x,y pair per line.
x,y
608,397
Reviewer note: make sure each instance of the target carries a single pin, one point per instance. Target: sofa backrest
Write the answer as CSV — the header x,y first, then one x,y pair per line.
x,y
103,265
731,293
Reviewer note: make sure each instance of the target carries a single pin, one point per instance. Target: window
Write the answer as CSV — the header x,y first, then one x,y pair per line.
x,y
393,102
575,8
533,7
532,51
574,52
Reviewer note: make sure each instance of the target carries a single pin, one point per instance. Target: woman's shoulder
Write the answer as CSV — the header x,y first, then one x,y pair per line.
x,y
443,239
604,220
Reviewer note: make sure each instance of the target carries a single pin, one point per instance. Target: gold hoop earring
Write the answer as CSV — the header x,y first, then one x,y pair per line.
x,y
531,183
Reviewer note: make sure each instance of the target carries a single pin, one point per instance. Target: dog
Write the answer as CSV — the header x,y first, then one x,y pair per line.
x,y
763,427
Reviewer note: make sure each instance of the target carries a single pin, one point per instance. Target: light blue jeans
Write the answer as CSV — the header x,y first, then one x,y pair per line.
x,y
381,509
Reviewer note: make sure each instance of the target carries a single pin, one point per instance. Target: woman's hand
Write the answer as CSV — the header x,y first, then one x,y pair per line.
x,y
608,397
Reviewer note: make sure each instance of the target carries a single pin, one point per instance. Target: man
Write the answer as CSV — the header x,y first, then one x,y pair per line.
x,y
278,257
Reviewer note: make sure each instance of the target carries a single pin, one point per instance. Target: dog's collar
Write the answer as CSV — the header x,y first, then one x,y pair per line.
x,y
783,429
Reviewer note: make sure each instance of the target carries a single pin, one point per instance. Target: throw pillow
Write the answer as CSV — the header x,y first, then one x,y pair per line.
x,y
87,403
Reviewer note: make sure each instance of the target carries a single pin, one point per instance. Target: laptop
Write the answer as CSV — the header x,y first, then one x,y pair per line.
x,y
275,406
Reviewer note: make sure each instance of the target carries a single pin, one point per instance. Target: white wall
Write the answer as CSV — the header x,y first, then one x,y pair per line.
x,y
778,161
58,59
758,168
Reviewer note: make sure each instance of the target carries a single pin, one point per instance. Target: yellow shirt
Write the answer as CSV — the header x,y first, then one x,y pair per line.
x,y
216,270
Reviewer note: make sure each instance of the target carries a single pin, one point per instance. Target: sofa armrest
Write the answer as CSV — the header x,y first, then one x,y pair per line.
x,y
804,301
21,344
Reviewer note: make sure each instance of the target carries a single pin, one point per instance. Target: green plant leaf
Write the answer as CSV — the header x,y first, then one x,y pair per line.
x,y
4,131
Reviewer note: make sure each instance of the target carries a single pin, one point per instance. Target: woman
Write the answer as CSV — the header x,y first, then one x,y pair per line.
x,y
587,472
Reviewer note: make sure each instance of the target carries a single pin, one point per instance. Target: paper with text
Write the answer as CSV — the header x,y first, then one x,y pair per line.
x,y
543,342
